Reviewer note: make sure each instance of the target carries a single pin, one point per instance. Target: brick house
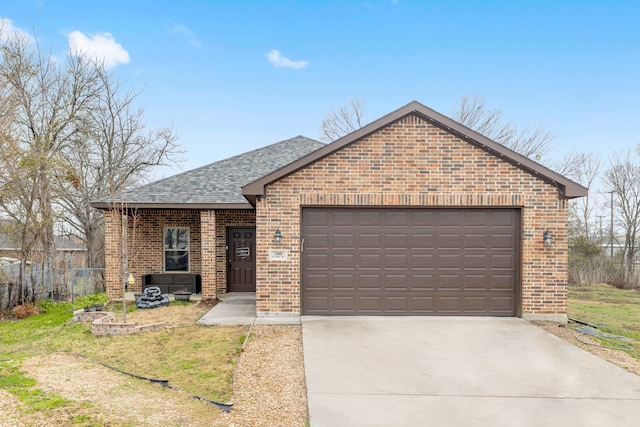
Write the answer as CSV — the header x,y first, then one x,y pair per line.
x,y
413,214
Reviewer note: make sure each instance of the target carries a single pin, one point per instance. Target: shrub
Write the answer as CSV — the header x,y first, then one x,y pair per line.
x,y
26,310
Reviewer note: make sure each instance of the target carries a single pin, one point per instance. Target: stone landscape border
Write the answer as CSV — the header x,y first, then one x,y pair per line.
x,y
104,323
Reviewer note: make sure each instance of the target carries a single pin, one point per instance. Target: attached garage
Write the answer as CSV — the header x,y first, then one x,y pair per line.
x,y
410,261
412,214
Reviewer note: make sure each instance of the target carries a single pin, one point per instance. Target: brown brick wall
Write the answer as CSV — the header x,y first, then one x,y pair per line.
x,y
145,249
207,233
413,163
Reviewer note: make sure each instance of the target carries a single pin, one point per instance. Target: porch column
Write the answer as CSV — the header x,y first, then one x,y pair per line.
x,y
113,253
208,255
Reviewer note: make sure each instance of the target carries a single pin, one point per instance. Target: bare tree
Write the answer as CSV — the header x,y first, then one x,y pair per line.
x,y
114,151
622,178
48,101
73,136
474,114
584,169
471,112
346,119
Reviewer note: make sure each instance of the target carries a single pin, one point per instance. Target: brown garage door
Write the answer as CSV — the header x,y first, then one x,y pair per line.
x,y
359,261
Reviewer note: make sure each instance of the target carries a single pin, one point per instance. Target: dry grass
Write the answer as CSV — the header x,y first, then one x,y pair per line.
x,y
270,385
197,359
26,310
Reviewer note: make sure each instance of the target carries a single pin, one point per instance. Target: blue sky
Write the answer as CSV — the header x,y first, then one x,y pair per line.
x,y
231,76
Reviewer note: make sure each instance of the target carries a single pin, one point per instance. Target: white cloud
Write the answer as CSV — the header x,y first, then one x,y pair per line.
x,y
186,33
101,47
7,29
280,61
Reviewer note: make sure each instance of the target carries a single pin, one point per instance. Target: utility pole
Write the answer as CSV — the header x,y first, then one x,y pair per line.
x,y
600,232
611,229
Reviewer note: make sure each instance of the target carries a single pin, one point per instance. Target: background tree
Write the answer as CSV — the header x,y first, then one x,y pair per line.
x,y
47,102
623,178
73,136
474,114
346,119
471,112
585,169
114,151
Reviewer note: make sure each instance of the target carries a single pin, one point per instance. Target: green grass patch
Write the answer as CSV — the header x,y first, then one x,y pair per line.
x,y
197,359
14,380
616,311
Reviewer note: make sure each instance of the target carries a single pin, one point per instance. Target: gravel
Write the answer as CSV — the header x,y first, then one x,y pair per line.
x,y
617,357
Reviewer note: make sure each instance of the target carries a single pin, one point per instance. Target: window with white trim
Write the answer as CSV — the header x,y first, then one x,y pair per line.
x,y
176,249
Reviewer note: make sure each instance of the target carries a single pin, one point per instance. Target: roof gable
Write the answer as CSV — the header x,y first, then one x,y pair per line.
x,y
567,188
218,184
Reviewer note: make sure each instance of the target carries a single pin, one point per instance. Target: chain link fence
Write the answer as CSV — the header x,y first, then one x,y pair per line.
x,y
67,284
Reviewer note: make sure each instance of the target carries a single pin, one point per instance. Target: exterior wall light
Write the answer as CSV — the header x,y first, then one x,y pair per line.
x,y
546,238
277,236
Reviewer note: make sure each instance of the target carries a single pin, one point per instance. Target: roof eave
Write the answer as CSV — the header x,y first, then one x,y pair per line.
x,y
192,206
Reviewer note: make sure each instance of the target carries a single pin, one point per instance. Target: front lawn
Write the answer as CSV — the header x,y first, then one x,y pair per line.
x,y
613,310
197,359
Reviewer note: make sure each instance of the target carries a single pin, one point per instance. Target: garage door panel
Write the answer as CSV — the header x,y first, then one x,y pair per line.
x,y
397,282
318,304
343,260
410,261
502,241
395,261
342,282
370,218
396,218
422,241
318,282
338,241
370,282
319,241
370,304
317,218
502,282
503,261
396,304
367,261
345,304
422,305
369,241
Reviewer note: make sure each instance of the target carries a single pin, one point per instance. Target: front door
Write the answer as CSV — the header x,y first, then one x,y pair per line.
x,y
241,256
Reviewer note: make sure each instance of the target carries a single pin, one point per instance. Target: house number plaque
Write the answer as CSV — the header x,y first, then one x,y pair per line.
x,y
278,255
242,252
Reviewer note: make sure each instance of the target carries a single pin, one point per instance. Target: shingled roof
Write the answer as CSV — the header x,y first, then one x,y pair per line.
x,y
216,185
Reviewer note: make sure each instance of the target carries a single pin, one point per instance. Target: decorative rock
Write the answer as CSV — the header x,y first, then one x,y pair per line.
x,y
152,297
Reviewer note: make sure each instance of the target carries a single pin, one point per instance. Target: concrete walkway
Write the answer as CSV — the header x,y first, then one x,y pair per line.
x,y
239,308
436,371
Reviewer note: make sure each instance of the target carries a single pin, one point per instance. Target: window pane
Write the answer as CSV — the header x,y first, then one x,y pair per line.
x,y
176,261
176,238
182,238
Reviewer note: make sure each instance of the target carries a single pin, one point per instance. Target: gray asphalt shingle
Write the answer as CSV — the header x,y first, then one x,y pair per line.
x,y
221,181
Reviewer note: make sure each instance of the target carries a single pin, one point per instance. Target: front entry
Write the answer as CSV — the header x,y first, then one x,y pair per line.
x,y
241,256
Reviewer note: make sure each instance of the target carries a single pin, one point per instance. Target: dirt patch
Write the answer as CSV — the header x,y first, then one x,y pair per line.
x,y
269,390
617,357
173,315
114,399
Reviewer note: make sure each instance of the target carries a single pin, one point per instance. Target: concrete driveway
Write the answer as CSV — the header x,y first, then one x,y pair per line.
x,y
454,371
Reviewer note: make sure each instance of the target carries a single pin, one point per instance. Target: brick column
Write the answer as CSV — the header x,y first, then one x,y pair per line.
x,y
113,253
208,252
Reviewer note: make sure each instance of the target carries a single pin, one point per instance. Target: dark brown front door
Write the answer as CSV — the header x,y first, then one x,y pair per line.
x,y
241,254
